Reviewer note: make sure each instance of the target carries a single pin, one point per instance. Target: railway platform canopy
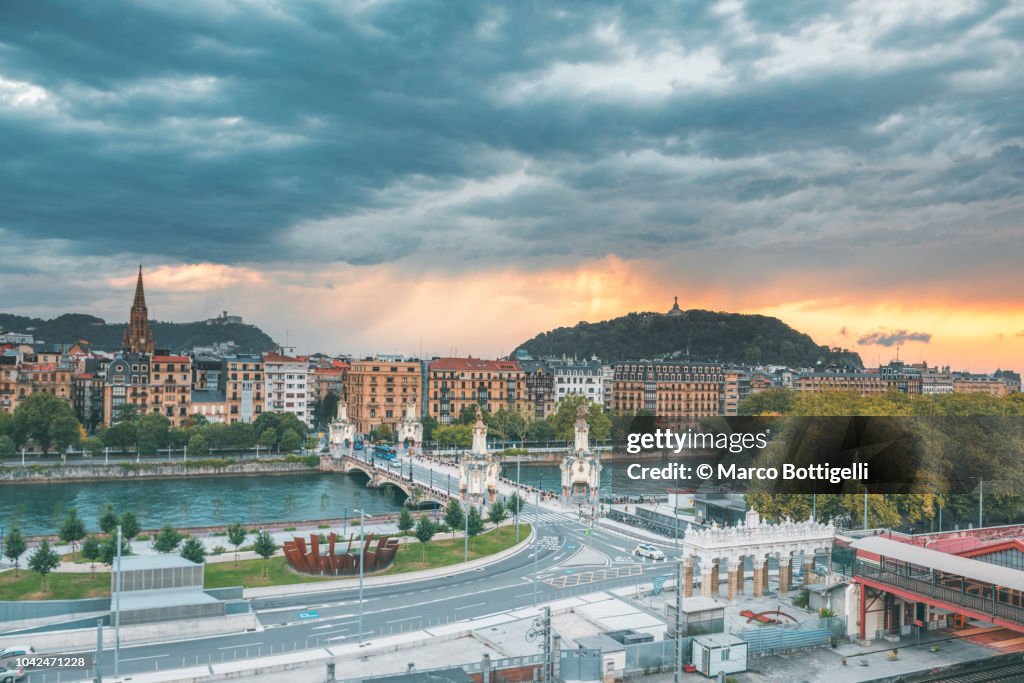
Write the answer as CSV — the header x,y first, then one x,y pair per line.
x,y
978,589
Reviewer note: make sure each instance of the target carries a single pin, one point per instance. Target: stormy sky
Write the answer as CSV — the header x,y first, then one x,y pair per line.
x,y
391,175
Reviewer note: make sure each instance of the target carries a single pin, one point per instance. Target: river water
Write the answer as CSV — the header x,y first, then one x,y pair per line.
x,y
252,499
199,501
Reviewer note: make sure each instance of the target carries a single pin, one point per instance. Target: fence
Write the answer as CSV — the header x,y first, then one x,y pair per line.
x,y
656,656
768,640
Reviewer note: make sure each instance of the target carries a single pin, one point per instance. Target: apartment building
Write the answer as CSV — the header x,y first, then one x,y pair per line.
x,y
287,386
454,383
378,391
671,389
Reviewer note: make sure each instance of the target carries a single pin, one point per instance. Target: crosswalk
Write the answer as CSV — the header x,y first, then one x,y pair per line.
x,y
593,576
545,517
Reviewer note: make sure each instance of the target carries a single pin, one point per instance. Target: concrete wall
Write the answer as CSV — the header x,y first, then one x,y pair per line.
x,y
135,635
96,472
25,610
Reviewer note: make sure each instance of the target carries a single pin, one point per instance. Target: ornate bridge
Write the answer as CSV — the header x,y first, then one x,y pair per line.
x,y
378,476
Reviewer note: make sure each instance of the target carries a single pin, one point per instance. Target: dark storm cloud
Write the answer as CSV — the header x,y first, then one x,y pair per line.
x,y
894,338
478,133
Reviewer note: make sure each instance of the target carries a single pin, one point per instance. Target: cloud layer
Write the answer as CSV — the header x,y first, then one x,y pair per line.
x,y
768,153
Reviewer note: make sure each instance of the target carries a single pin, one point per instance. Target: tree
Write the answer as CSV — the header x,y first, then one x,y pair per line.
x,y
768,402
167,539
429,425
425,531
564,420
453,515
43,561
236,537
129,527
108,550
93,445
265,547
193,550
65,432
267,440
382,432
497,513
405,521
515,504
197,444
42,416
14,546
107,519
91,551
7,446
290,441
72,530
474,522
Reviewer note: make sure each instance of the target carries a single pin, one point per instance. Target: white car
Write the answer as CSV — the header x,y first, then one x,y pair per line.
x,y
11,675
16,651
649,551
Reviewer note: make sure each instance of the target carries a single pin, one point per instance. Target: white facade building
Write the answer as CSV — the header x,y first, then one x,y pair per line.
x,y
577,378
287,386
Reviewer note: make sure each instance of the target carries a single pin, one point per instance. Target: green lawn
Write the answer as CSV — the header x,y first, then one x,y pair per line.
x,y
62,586
441,552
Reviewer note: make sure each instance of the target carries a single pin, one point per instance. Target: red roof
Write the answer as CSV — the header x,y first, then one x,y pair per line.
x,y
333,372
475,365
278,358
171,359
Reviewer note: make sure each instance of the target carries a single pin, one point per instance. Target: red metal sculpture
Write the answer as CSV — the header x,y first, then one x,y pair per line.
x,y
312,562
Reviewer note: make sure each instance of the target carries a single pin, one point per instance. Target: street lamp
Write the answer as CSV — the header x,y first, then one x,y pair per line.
x,y
465,551
519,501
117,608
362,562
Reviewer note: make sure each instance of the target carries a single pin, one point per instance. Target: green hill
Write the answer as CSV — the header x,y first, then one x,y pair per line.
x,y
705,335
175,337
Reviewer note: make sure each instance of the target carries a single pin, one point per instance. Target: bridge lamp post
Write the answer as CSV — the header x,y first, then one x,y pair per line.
x,y
465,551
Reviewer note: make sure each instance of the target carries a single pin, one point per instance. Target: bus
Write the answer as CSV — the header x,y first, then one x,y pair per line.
x,y
358,445
384,452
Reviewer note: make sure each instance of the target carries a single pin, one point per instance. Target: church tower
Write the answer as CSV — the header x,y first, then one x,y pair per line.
x,y
137,336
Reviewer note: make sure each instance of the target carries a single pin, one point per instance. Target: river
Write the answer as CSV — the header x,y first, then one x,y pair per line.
x,y
198,501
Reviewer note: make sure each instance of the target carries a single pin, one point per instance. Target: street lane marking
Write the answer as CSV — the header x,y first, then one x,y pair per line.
x,y
234,647
468,606
136,659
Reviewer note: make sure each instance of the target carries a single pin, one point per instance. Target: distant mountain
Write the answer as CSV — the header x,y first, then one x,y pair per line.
x,y
703,335
175,337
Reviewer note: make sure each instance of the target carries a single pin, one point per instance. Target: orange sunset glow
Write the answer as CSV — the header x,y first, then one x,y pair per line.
x,y
388,309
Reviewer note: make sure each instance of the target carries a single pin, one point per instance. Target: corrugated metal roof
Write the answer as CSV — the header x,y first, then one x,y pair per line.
x,y
944,562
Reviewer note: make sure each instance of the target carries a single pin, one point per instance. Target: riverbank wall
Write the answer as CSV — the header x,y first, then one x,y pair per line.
x,y
41,474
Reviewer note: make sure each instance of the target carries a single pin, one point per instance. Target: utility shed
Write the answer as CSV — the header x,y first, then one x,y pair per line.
x,y
721,652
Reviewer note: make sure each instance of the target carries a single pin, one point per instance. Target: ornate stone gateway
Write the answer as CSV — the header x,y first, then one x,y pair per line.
x,y
342,432
581,469
410,429
478,469
725,548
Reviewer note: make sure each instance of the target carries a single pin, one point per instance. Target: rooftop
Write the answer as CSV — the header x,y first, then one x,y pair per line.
x,y
943,562
475,365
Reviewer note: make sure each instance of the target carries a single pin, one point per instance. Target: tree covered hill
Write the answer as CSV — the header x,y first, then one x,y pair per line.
x,y
705,335
72,327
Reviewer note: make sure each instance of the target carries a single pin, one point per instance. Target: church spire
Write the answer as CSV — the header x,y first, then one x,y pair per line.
x,y
138,337
140,293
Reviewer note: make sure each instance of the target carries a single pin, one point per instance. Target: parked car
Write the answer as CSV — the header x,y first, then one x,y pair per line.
x,y
649,551
16,651
11,675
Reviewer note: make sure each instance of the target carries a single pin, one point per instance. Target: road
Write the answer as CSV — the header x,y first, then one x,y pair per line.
x,y
331,617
